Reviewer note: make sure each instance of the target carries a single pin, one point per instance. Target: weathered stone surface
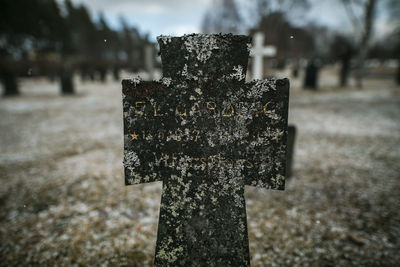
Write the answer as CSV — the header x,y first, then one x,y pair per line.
x,y
205,134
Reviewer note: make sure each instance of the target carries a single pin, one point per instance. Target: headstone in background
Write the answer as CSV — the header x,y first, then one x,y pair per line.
x,y
9,82
116,73
291,138
102,71
258,52
66,81
311,77
87,72
92,75
83,70
295,69
205,134
149,57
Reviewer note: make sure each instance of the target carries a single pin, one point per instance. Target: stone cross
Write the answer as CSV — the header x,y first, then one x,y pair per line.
x,y
258,52
205,134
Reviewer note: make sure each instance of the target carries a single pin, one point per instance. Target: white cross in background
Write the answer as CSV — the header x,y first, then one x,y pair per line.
x,y
149,58
258,51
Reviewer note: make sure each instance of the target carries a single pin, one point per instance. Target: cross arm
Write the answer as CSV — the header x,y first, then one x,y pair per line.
x,y
268,51
138,120
270,129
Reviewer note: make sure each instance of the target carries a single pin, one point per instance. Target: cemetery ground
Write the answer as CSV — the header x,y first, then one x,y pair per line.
x,y
63,200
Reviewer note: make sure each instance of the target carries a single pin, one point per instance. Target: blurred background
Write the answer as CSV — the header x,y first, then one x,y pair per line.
x,y
62,195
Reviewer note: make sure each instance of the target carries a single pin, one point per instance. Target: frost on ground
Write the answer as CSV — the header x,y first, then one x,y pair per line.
x,y
63,199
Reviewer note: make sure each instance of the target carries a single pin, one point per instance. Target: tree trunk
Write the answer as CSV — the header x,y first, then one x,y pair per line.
x,y
84,73
10,83
116,73
398,72
363,46
102,74
344,72
91,75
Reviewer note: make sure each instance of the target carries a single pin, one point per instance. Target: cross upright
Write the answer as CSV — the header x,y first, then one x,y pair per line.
x,y
205,134
258,52
149,60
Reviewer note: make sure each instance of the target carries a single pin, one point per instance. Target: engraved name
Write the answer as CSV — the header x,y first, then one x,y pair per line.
x,y
209,108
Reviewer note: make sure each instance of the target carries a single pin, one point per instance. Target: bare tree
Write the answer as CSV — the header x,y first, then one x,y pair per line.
x,y
394,13
363,23
262,8
223,16
272,18
342,49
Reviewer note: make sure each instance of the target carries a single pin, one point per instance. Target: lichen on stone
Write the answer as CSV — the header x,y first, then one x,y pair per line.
x,y
166,81
136,80
164,38
238,73
131,160
200,46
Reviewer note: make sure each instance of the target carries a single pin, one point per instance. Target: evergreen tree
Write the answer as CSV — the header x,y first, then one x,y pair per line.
x,y
40,30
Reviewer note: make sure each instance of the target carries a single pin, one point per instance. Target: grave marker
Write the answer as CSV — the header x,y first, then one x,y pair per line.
x,y
311,77
205,134
258,52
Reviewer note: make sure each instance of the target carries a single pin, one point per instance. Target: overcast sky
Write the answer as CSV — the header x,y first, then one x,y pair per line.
x,y
177,17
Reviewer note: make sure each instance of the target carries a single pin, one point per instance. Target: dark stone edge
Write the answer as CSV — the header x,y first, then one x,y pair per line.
x,y
283,86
